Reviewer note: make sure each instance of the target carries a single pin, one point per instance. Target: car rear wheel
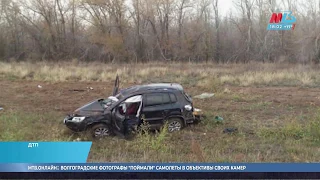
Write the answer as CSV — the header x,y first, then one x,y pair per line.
x,y
101,130
174,125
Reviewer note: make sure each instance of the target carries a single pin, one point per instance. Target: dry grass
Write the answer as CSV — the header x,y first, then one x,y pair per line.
x,y
203,74
293,141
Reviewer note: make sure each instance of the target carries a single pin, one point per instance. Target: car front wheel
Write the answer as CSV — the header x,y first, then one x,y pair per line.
x,y
100,131
174,124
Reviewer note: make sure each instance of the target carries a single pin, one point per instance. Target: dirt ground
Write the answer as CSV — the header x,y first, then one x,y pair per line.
x,y
64,97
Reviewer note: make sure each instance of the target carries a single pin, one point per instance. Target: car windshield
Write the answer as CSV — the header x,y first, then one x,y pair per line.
x,y
111,99
119,96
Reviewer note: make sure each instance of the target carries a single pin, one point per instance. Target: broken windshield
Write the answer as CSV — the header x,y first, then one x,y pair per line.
x,y
111,99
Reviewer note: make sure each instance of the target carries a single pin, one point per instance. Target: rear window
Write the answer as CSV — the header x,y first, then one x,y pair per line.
x,y
173,98
157,99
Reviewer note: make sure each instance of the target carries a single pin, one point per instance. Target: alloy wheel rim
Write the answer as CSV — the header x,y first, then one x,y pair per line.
x,y
174,126
100,132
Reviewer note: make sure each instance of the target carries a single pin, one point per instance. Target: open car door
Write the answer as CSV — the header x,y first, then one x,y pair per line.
x,y
127,113
116,86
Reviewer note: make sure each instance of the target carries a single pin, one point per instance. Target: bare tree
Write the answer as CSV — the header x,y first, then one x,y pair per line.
x,y
143,30
217,30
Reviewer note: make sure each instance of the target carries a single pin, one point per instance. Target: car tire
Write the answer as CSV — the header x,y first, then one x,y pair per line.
x,y
100,131
174,124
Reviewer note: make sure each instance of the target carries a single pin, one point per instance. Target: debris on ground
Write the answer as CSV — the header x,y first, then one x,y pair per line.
x,y
218,119
39,86
1,108
204,95
91,88
78,139
230,130
227,91
78,90
198,112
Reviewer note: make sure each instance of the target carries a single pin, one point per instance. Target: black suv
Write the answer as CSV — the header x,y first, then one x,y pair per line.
x,y
127,109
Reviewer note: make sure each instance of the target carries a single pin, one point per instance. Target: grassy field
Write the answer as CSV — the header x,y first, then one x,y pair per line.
x,y
274,106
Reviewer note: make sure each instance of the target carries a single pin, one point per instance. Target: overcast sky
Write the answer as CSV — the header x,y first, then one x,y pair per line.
x,y
225,6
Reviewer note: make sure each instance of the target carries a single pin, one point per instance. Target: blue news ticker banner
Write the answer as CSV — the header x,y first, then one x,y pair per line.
x,y
44,152
72,157
160,167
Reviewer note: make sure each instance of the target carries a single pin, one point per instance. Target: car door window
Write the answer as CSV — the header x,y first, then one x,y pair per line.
x,y
133,105
173,98
157,99
127,109
153,99
165,98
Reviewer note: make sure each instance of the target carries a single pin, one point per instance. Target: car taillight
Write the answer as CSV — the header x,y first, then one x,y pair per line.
x,y
188,107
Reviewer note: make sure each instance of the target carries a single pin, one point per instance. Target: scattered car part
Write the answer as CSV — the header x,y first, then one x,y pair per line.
x,y
78,139
218,119
230,130
77,90
204,95
198,114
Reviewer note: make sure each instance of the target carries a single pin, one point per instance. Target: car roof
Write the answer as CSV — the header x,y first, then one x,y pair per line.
x,y
151,87
142,89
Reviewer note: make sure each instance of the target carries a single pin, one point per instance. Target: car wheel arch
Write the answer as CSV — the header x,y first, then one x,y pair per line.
x,y
94,123
91,127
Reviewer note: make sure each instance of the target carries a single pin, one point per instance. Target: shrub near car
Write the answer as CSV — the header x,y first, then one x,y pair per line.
x,y
154,104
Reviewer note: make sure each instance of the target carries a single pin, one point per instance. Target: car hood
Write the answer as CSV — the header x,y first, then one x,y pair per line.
x,y
92,108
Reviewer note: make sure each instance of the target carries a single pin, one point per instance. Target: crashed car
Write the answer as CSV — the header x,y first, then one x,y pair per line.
x,y
154,104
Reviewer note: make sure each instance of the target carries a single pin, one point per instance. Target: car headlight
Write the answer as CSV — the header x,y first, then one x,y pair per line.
x,y
78,119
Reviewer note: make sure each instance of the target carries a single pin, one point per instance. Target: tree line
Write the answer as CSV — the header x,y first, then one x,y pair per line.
x,y
157,30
